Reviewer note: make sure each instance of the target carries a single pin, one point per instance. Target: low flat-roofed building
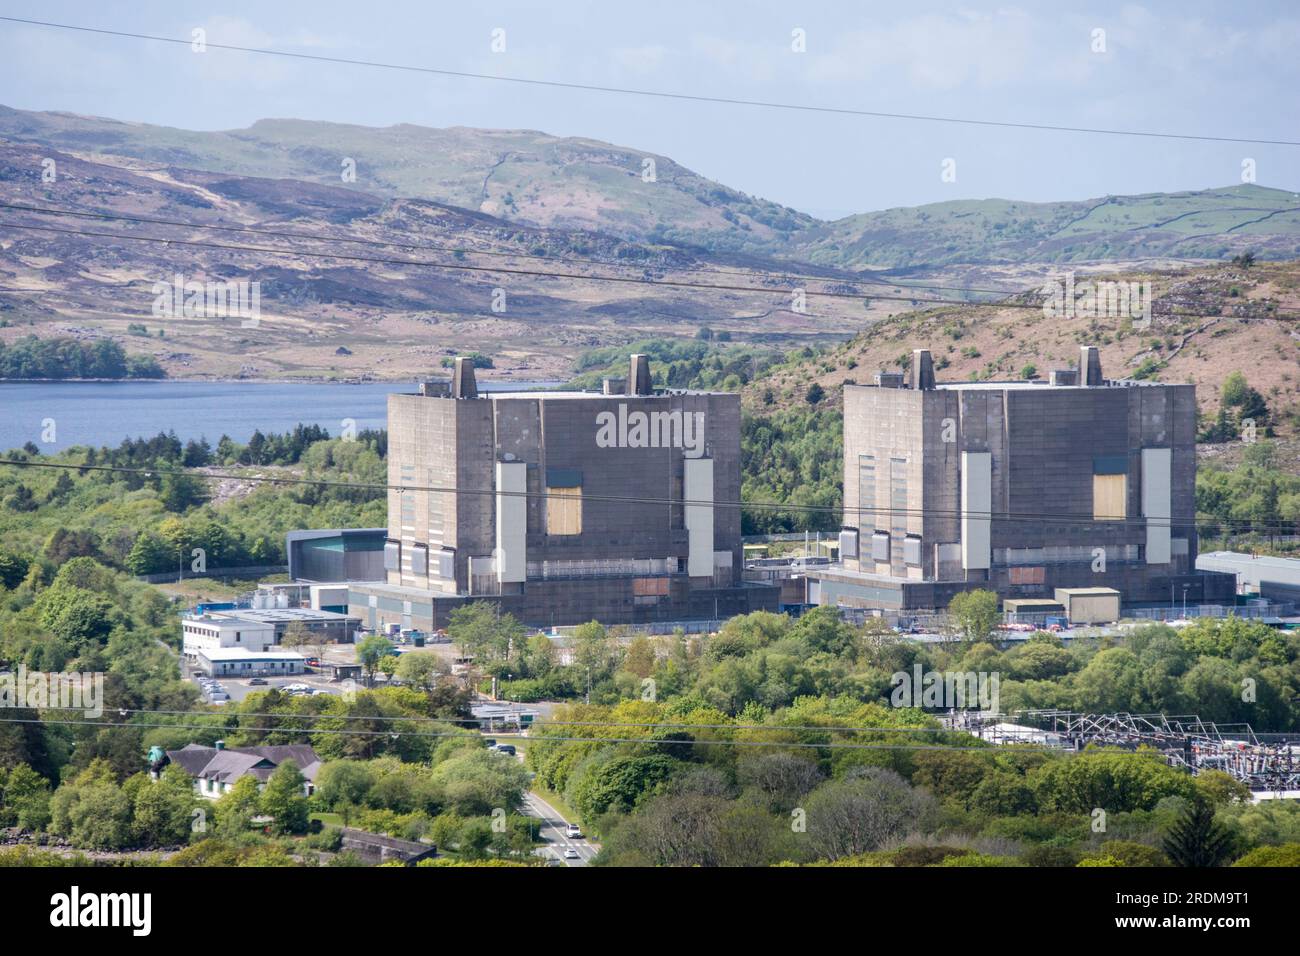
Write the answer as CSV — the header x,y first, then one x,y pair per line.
x,y
218,630
238,662
1089,605
341,670
329,624
1032,606
1275,579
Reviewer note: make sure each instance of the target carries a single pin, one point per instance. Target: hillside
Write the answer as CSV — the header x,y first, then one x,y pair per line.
x,y
530,177
1249,327
518,175
1208,224
326,316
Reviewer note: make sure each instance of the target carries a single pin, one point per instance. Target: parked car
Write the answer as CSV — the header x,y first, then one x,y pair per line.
x,y
506,749
255,682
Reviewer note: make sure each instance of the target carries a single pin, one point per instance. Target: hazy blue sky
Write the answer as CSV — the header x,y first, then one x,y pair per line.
x,y
1194,67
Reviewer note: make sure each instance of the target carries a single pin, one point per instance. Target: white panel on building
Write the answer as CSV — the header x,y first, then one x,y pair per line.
x,y
699,517
849,543
512,521
880,546
1157,468
976,506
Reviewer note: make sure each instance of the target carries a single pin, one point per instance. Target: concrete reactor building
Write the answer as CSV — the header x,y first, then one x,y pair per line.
x,y
1027,488
562,506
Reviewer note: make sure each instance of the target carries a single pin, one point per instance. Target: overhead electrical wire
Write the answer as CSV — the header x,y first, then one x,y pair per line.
x,y
506,270
1061,517
534,273
665,725
124,712
755,273
658,94
395,734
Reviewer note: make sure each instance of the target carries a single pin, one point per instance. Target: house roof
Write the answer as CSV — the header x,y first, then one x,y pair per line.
x,y
230,763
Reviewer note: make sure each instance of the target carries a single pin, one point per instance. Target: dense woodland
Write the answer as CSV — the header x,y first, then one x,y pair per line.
x,y
31,357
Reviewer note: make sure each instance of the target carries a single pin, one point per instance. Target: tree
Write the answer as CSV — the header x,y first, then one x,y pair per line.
x,y
672,830
862,812
422,670
163,812
618,784
12,569
284,799
65,544
75,614
1196,839
344,782
92,811
296,636
482,632
25,794
181,492
815,394
1118,781
592,653
974,614
1286,855
779,780
478,781
149,555
63,486
237,806
1128,853
370,651
22,499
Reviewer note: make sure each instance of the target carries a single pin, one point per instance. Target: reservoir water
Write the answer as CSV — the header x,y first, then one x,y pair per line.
x,y
106,413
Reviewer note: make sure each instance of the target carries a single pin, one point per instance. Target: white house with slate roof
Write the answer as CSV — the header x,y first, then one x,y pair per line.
x,y
216,769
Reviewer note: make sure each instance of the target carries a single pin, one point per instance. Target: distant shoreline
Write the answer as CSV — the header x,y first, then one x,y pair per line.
x,y
261,381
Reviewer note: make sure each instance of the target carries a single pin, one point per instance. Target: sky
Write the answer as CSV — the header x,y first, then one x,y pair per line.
x,y
1197,67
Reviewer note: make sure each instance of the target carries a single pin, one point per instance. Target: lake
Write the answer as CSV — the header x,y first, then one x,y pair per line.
x,y
106,413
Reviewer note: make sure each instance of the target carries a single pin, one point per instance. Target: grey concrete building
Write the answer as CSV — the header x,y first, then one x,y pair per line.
x,y
1019,487
1271,578
338,554
562,506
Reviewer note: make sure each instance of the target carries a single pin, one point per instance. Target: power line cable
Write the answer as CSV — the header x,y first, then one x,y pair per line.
x,y
634,499
505,270
665,725
626,280
395,734
662,94
756,273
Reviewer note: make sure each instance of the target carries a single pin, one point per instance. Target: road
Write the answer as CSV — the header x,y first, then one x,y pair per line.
x,y
552,830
